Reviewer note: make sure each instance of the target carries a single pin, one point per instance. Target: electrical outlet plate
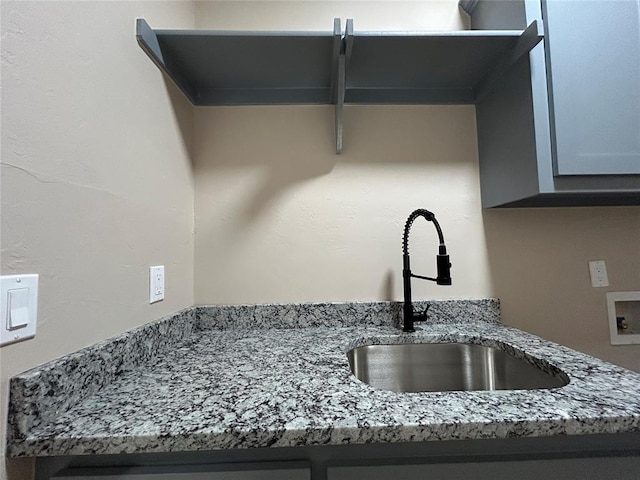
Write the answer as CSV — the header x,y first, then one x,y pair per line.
x,y
156,283
18,308
598,271
624,317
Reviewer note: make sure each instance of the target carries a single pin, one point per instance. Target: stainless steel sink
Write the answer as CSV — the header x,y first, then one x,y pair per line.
x,y
435,367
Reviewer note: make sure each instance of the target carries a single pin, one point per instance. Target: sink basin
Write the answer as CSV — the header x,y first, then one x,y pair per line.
x,y
435,367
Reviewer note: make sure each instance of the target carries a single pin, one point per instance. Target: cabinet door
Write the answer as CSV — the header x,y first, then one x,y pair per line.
x,y
593,60
284,470
619,468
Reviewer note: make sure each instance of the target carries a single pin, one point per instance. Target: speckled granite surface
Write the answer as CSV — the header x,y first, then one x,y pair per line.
x,y
341,314
42,394
223,388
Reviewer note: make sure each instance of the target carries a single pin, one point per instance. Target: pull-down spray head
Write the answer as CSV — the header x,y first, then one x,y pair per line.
x,y
443,266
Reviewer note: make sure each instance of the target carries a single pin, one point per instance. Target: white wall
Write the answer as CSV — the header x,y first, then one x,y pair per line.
x,y
96,177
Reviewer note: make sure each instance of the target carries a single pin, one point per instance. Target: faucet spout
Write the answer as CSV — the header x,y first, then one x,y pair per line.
x,y
443,266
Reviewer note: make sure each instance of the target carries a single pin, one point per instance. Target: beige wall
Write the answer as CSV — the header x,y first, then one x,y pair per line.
x,y
539,266
319,14
96,178
97,185
280,218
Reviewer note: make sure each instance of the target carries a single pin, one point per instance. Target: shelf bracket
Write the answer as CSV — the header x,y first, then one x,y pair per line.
x,y
468,5
148,41
341,84
348,41
337,82
337,46
339,108
530,37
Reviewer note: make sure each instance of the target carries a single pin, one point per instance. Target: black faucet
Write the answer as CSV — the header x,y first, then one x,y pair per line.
x,y
442,263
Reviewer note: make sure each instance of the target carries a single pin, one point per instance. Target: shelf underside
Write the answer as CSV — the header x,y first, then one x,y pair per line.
x,y
250,70
421,69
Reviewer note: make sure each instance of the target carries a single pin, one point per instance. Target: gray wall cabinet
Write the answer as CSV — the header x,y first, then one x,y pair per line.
x,y
562,127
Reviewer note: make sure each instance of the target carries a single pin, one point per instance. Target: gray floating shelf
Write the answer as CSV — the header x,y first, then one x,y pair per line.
x,y
271,68
247,68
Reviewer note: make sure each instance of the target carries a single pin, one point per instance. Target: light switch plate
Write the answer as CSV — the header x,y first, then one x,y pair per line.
x,y
18,308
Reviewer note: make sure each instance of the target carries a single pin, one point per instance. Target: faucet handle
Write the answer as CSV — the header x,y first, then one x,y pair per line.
x,y
422,316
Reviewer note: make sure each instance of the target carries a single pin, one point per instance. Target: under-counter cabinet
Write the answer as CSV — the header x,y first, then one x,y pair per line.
x,y
563,126
236,471
620,468
602,457
556,469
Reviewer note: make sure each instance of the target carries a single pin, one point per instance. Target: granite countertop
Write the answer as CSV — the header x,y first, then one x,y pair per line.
x,y
278,376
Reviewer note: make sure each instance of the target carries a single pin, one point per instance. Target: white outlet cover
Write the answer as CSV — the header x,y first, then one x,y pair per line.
x,y
156,283
18,308
598,271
